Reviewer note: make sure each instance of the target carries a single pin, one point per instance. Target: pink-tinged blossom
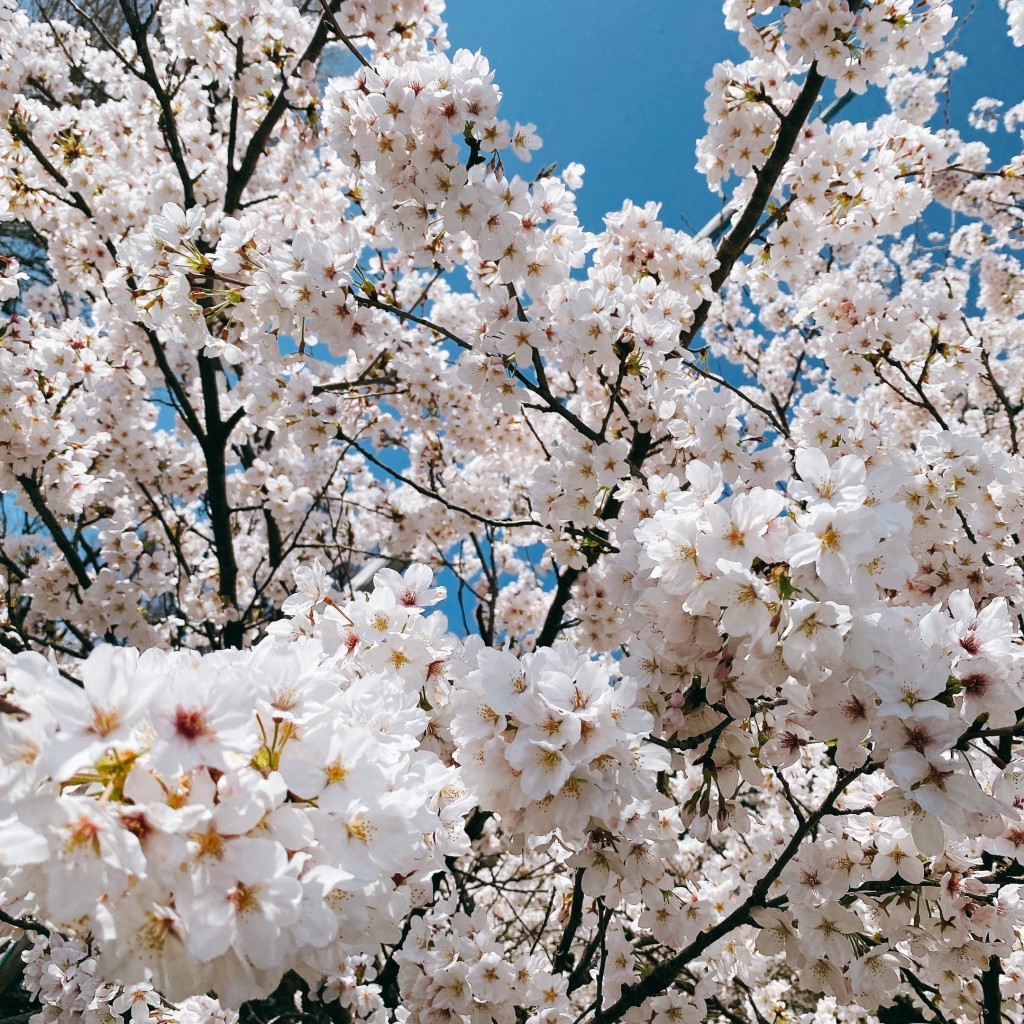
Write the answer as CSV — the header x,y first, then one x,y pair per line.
x,y
413,587
200,719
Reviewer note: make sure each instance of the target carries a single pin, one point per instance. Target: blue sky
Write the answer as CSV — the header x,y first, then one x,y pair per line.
x,y
623,93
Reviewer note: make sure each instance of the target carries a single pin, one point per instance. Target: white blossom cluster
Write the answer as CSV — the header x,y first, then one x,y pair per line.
x,y
1015,13
214,821
745,600
63,976
550,741
857,44
454,965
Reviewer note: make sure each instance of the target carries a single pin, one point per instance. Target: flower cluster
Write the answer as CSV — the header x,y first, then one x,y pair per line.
x,y
62,975
1015,13
455,966
214,821
550,741
857,43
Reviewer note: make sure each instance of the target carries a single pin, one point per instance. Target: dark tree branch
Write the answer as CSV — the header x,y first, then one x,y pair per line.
x,y
562,961
238,179
638,452
168,124
735,243
217,497
992,1006
60,538
26,924
175,386
337,29
666,972
22,134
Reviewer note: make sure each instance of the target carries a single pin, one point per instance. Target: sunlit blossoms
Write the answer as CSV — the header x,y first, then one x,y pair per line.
x,y
215,821
551,742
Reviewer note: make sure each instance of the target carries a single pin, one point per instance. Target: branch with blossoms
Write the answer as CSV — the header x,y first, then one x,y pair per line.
x,y
662,976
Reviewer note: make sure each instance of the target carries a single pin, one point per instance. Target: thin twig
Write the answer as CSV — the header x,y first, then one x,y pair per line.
x,y
337,29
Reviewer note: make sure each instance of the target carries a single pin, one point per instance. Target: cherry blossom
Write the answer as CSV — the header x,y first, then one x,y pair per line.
x,y
416,606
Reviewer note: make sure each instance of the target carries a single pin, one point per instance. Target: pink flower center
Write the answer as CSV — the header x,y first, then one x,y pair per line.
x,y
190,723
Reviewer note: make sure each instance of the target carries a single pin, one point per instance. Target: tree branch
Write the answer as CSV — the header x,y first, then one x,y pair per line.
x,y
238,180
168,124
735,243
336,28
638,452
665,973
60,538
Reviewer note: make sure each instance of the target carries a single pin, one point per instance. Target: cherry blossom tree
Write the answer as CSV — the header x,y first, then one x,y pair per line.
x,y
727,722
